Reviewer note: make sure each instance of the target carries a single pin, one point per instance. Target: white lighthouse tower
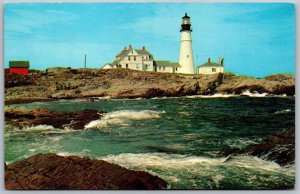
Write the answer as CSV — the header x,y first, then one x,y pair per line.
x,y
186,59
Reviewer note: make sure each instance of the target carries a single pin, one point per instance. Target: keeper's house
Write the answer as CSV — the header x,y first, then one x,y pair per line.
x,y
141,59
211,67
19,67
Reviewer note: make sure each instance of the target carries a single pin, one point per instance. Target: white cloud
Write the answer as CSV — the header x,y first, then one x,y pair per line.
x,y
26,20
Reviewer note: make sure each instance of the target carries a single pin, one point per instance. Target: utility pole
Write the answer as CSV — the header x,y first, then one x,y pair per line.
x,y
85,61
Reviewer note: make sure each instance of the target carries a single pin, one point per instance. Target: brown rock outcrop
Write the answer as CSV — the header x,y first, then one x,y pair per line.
x,y
273,84
50,171
42,116
66,83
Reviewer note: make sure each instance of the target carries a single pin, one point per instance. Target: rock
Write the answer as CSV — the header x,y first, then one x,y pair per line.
x,y
66,83
279,148
50,171
41,116
274,84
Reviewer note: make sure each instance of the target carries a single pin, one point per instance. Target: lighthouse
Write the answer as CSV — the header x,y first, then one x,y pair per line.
x,y
186,60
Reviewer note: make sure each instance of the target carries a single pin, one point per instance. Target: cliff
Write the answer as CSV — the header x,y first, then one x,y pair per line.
x,y
65,83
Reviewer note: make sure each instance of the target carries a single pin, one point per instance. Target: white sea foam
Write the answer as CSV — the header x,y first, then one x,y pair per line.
x,y
283,111
254,94
193,164
122,117
36,128
82,153
218,95
103,97
160,160
55,138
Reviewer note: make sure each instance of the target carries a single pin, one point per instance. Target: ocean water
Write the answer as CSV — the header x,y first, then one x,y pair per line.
x,y
177,139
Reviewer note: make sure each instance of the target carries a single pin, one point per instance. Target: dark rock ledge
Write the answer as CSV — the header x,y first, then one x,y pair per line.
x,y
42,116
280,148
50,171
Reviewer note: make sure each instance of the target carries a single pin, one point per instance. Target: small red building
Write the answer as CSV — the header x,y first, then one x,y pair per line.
x,y
19,67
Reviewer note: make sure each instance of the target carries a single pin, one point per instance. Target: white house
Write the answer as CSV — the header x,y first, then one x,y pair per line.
x,y
211,67
136,59
141,60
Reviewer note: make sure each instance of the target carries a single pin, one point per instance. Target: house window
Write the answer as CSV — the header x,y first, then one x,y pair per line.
x,y
146,66
142,57
137,66
159,68
128,58
134,58
213,70
164,68
149,56
176,69
187,56
126,66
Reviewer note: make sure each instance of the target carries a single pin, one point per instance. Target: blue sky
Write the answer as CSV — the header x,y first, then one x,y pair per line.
x,y
255,39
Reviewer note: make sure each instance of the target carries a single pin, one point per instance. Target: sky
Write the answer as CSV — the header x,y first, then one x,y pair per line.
x,y
255,39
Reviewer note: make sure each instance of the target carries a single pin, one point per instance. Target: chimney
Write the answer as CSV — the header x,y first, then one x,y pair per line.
x,y
130,46
208,60
143,48
222,61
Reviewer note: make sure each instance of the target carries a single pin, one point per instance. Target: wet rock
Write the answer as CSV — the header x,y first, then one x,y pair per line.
x,y
50,171
42,116
279,148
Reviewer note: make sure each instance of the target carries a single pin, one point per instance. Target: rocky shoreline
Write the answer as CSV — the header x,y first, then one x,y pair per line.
x,y
279,147
66,83
51,171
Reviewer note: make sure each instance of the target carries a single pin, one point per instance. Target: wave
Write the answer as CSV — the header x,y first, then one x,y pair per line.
x,y
32,128
159,159
174,168
283,111
179,161
254,94
218,95
122,117
44,129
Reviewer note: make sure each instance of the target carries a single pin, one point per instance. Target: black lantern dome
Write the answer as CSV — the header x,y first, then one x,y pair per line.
x,y
186,23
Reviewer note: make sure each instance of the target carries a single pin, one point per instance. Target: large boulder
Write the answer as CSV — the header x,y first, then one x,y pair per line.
x,y
50,171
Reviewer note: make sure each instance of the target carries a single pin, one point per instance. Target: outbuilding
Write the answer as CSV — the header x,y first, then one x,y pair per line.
x,y
19,67
211,67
